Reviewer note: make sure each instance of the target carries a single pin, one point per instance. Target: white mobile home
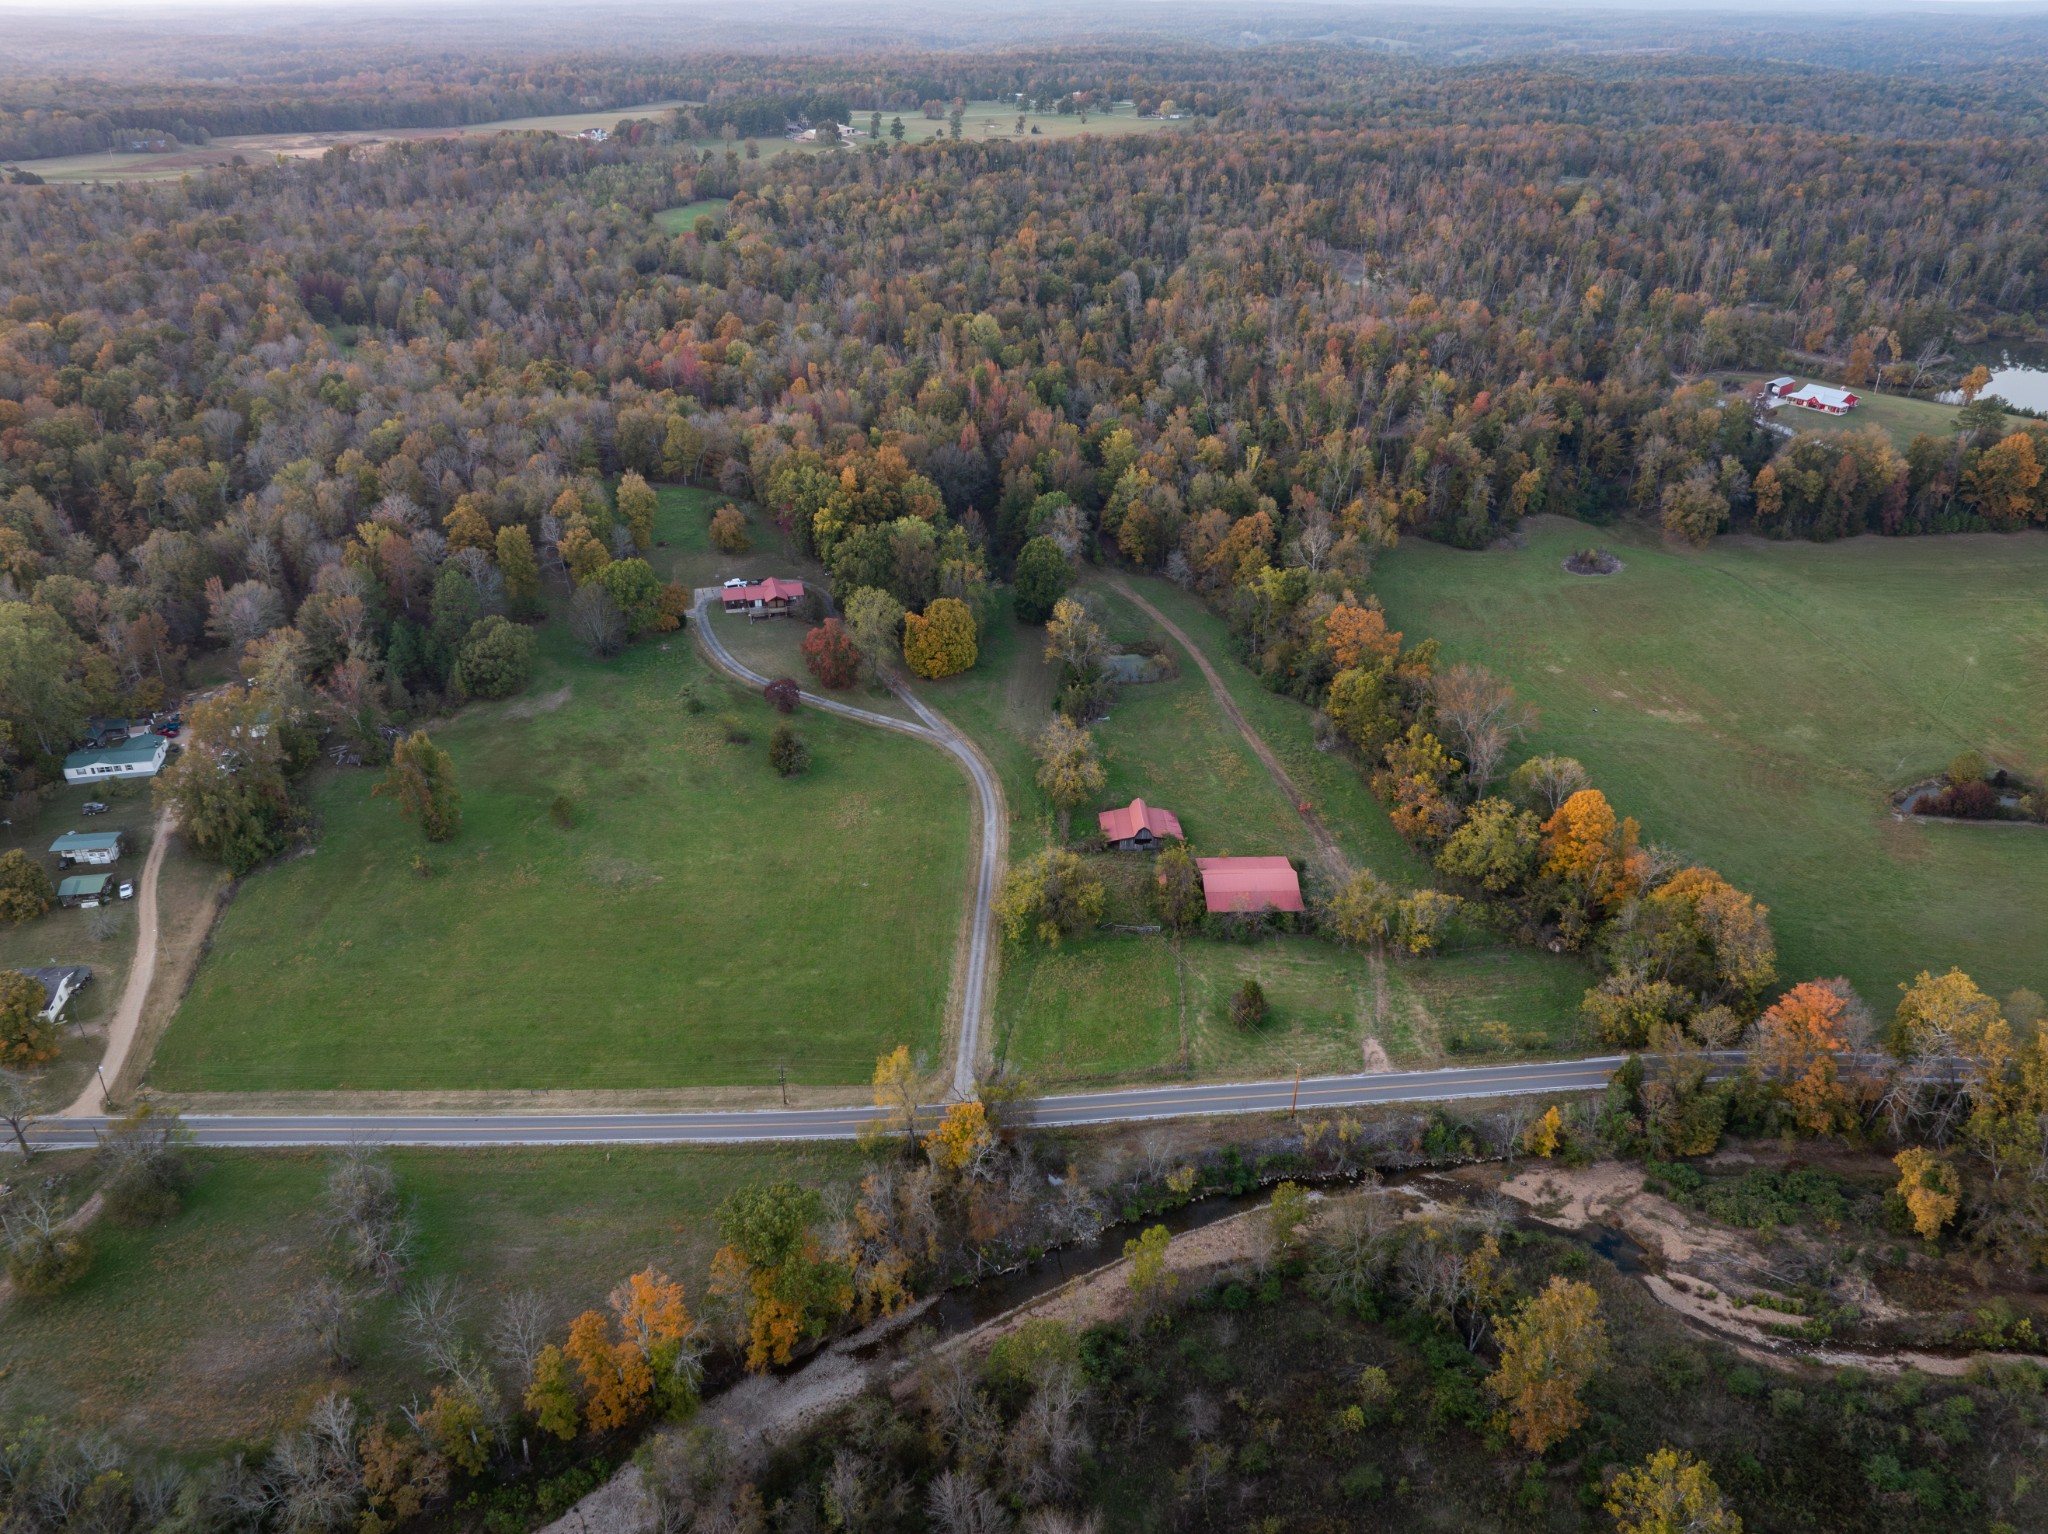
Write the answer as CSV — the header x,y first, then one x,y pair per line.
x,y
142,757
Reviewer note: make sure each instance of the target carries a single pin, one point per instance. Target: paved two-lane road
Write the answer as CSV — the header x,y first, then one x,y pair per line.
x,y
1127,1105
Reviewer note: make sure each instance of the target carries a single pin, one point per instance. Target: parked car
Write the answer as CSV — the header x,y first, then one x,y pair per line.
x,y
127,889
94,808
169,728
737,580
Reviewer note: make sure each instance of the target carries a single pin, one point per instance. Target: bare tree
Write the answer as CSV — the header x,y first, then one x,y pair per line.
x,y
364,1215
21,1107
317,1476
524,1322
1481,717
433,1315
1543,783
960,1504
595,620
323,1312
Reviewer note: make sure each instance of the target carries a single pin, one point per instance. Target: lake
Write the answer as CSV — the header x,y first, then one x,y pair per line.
x,y
2019,376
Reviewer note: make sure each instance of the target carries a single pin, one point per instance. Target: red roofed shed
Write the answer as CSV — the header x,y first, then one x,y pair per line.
x,y
1250,884
1139,825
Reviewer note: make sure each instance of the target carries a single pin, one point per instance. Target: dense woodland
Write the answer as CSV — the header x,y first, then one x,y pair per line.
x,y
335,430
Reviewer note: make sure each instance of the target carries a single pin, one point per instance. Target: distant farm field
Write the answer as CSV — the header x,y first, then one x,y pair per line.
x,y
1754,704
697,921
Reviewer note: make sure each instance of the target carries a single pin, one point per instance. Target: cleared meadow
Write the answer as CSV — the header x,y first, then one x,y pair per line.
x,y
1754,704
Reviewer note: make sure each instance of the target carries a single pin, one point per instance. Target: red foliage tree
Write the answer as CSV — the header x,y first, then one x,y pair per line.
x,y
782,692
830,653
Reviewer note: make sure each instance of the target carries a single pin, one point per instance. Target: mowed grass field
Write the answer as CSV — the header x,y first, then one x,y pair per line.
x,y
1115,1006
701,922
1754,704
179,1337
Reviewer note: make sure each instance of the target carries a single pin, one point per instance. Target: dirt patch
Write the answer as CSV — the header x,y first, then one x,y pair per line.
x,y
1574,1199
1592,562
546,703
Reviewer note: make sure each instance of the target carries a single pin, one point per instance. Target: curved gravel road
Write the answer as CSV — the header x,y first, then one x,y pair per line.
x,y
939,731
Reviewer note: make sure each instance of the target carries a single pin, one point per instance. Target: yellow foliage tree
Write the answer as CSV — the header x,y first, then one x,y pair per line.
x,y
1151,1282
581,551
1550,1349
467,526
961,1139
1543,1137
940,641
637,502
1928,1185
550,1396
1670,1493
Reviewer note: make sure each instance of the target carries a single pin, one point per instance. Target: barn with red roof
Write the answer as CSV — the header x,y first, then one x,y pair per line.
x,y
1249,884
1138,826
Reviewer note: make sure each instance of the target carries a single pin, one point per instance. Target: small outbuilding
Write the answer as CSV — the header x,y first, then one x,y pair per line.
x,y
60,982
1138,826
87,847
1249,884
1778,388
142,757
86,889
772,598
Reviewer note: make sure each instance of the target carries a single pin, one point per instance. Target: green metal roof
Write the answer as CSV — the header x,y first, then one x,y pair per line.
x,y
83,884
85,841
142,750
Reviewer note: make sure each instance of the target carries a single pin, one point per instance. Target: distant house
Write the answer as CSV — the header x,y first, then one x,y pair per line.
x,y
1249,884
90,847
60,982
1821,397
594,135
1138,826
85,889
139,758
771,598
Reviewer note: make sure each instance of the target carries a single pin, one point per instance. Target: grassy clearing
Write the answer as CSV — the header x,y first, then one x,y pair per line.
x,y
1119,1006
1754,704
178,1338
702,922
1901,415
1332,781
682,220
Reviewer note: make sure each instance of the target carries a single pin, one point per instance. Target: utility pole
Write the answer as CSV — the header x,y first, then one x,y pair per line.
x,y
782,1076
1295,1100
106,1097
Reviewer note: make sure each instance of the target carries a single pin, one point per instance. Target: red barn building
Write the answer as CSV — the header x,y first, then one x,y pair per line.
x,y
1249,884
1138,826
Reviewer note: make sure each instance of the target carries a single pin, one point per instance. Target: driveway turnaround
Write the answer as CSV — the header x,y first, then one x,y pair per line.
x,y
980,940
1136,1104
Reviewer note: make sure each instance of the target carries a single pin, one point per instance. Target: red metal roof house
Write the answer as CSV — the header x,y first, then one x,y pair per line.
x,y
1249,884
762,598
1820,397
1138,826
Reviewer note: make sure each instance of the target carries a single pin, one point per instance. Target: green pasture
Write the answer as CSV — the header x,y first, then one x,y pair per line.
x,y
1754,704
179,1337
697,922
1121,1006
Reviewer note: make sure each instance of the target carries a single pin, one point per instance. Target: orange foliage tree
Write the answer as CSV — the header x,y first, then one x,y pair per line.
x,y
1589,850
624,1375
1359,636
1801,1042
